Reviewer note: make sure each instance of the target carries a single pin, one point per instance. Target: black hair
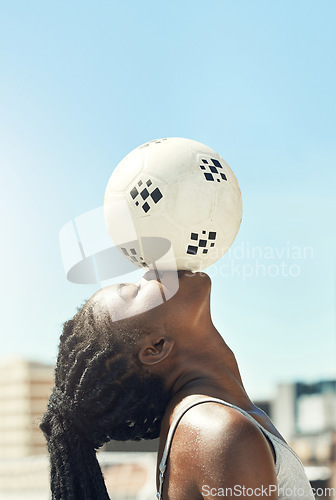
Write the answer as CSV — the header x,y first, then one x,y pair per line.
x,y
101,392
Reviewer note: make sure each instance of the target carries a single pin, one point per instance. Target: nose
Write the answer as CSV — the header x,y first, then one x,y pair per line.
x,y
153,274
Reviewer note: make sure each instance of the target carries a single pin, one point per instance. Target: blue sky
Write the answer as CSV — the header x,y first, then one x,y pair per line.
x,y
83,83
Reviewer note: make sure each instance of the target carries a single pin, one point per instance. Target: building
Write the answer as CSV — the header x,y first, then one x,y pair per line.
x,y
305,414
25,387
300,408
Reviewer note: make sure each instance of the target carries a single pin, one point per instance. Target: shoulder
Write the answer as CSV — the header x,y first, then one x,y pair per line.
x,y
219,426
222,446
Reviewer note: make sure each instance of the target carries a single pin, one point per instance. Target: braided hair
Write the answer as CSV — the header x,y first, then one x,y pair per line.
x,y
101,392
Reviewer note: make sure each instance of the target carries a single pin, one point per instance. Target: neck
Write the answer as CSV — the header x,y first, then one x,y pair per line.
x,y
208,367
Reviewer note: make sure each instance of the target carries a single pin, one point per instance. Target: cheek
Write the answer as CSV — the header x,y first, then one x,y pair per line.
x,y
114,304
150,296
131,304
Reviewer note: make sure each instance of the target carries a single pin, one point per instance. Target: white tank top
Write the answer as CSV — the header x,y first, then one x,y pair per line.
x,y
292,480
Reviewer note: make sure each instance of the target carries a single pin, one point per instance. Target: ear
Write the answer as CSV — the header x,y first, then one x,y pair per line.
x,y
155,350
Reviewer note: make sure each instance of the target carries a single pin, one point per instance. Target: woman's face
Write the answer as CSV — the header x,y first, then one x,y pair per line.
x,y
158,297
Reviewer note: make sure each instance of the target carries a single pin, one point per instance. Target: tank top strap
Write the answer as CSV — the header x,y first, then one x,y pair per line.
x,y
172,429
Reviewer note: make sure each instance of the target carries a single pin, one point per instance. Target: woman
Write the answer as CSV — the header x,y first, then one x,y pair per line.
x,y
163,371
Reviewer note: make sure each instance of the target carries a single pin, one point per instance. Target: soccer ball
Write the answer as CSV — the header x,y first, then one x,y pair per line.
x,y
173,203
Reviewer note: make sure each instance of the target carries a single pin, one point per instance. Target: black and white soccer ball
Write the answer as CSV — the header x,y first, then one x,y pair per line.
x,y
173,202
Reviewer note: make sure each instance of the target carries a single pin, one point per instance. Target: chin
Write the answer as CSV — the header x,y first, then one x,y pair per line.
x,y
194,275
195,280
185,277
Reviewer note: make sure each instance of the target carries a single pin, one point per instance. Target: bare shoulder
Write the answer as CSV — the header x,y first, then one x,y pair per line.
x,y
221,447
217,427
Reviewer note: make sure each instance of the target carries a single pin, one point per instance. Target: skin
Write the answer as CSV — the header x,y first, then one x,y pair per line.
x,y
213,445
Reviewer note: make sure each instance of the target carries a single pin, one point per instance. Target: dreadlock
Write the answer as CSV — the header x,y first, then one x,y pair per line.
x,y
101,392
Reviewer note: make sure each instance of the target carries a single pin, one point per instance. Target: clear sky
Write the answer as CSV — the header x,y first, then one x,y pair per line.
x,y
82,83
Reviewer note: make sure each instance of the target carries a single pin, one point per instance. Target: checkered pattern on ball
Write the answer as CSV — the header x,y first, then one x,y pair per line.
x,y
201,242
145,194
133,255
212,170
